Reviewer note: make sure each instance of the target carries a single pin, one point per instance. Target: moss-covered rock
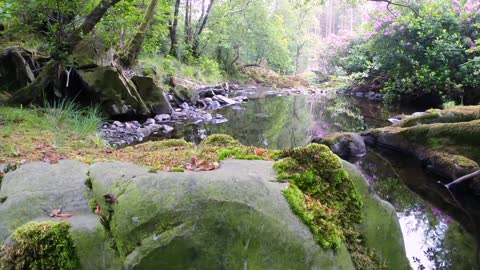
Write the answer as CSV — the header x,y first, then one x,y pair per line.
x,y
379,228
40,245
449,148
347,145
228,218
185,90
451,115
338,207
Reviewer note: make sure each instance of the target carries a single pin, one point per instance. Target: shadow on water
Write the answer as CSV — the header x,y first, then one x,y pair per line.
x,y
433,240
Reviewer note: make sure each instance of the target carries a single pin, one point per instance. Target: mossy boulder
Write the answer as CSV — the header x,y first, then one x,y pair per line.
x,y
185,90
347,145
451,115
333,199
379,227
119,95
92,52
40,245
36,186
448,148
233,217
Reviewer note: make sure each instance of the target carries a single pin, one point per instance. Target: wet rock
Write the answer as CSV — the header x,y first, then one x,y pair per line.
x,y
179,116
153,96
184,90
162,117
149,121
167,129
347,145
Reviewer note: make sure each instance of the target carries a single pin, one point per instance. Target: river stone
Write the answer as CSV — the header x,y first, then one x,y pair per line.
x,y
37,186
347,145
152,94
380,227
234,217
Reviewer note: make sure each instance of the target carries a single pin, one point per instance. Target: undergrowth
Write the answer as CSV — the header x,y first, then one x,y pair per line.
x,y
60,127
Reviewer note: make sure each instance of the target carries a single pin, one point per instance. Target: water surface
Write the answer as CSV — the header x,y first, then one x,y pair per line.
x,y
432,239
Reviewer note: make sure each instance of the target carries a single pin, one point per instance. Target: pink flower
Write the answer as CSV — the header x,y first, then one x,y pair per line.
x,y
469,20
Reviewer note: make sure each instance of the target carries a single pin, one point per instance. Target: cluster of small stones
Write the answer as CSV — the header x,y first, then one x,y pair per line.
x,y
120,134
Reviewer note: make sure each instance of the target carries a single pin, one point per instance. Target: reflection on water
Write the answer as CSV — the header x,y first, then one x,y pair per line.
x,y
432,239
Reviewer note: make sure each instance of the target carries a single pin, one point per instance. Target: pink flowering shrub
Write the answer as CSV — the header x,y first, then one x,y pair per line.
x,y
428,53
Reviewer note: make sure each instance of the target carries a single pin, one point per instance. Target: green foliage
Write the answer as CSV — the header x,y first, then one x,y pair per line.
x,y
433,54
321,193
45,245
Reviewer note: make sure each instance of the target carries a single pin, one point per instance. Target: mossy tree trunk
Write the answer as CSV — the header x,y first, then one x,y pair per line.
x,y
50,76
135,44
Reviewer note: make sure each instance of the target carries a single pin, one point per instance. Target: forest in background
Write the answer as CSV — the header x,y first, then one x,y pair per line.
x,y
410,50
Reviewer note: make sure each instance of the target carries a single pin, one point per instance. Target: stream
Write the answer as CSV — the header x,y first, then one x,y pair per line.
x,y
432,239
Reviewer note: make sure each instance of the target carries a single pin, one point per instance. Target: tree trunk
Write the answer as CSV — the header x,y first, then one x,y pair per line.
x,y
135,44
200,27
173,30
188,22
89,23
50,74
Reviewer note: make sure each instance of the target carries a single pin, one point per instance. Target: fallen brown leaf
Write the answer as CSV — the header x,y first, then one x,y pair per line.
x,y
99,211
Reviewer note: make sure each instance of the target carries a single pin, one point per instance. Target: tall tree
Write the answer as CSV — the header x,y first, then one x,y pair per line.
x,y
192,35
90,21
135,44
173,29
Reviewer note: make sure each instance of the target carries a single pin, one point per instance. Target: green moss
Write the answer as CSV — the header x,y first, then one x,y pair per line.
x,y
92,204
177,169
158,145
220,140
237,153
45,245
450,115
321,193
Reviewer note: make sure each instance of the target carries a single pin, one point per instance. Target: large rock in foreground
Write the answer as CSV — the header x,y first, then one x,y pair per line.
x,y
235,217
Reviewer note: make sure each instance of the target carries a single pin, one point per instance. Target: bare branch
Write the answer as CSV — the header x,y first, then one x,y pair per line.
x,y
463,179
397,4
